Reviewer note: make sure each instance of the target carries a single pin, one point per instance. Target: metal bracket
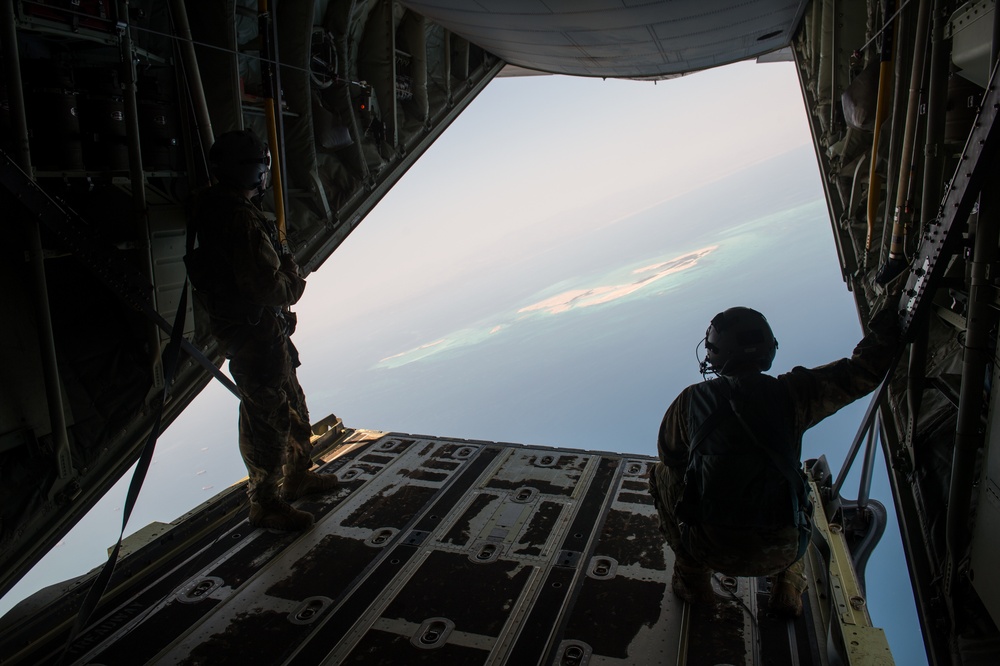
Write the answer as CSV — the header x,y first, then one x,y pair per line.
x,y
416,537
941,235
568,559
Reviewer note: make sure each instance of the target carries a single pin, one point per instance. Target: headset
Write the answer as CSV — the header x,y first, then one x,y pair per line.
x,y
239,159
738,340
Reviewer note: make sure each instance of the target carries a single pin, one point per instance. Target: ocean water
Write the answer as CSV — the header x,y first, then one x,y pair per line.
x,y
609,342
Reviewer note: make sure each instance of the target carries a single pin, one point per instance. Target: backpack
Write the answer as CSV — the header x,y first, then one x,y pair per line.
x,y
200,262
737,480
208,268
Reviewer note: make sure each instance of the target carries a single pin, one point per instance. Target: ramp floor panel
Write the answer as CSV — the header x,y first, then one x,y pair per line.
x,y
439,551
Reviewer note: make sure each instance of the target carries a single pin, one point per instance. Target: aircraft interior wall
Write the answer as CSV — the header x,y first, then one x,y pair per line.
x,y
910,225
107,112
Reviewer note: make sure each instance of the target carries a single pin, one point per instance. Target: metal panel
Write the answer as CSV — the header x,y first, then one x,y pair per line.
x,y
440,552
649,39
940,237
168,234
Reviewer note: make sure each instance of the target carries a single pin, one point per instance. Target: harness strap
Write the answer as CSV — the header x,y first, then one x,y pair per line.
x,y
792,475
784,466
171,354
706,428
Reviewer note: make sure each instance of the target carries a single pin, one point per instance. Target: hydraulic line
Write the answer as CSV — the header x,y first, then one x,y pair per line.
x,y
915,379
36,260
137,178
867,421
833,65
192,73
937,100
978,352
264,31
15,89
868,464
870,520
981,318
881,111
907,166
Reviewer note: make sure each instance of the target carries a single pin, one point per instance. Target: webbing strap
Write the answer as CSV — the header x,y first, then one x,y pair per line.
x,y
792,476
706,428
784,466
171,354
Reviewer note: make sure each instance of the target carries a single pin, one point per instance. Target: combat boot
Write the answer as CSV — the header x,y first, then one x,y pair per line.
x,y
301,483
786,595
693,584
278,515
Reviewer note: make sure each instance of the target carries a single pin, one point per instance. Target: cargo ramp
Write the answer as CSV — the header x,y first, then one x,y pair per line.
x,y
442,551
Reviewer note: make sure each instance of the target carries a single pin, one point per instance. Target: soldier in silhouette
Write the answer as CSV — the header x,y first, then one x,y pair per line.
x,y
247,280
729,489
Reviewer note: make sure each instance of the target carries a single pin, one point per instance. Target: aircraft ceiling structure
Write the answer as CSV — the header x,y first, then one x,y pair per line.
x,y
619,38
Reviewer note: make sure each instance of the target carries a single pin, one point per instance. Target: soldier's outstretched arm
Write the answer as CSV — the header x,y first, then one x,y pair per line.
x,y
819,392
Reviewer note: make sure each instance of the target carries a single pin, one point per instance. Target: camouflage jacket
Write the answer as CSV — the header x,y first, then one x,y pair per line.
x,y
236,268
813,393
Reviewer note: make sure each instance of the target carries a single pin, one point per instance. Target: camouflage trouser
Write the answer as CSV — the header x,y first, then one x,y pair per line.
x,y
734,553
274,419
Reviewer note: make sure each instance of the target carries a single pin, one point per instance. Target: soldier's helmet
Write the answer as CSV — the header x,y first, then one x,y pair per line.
x,y
738,340
239,159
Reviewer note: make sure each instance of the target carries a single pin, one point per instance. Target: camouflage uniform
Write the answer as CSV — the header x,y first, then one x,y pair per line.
x,y
247,289
807,396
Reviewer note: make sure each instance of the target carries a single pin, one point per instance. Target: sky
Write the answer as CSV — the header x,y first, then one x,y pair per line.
x,y
502,287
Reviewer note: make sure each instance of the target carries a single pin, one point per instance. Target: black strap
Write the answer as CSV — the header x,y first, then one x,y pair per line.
x,y
709,425
792,476
784,466
706,428
171,354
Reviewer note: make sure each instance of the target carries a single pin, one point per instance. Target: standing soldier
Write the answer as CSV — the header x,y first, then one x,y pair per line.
x,y
247,280
729,488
